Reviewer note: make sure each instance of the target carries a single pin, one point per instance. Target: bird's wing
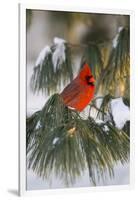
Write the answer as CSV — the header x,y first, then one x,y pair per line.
x,y
71,91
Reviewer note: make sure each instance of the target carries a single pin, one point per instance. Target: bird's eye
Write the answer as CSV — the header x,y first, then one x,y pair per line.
x,y
90,80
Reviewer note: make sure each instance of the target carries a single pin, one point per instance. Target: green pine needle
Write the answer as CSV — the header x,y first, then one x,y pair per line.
x,y
48,80
61,142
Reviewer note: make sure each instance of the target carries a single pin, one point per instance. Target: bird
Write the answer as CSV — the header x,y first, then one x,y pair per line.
x,y
78,94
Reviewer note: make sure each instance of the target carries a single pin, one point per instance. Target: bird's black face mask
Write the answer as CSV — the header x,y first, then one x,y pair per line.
x,y
89,80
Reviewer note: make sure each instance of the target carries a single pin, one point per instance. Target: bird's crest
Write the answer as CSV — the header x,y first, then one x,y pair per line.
x,y
86,71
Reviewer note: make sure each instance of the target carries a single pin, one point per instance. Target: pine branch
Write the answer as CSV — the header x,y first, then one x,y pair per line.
x,y
93,57
60,141
47,77
117,69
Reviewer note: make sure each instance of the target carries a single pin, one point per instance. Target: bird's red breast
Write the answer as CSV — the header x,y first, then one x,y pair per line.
x,y
80,91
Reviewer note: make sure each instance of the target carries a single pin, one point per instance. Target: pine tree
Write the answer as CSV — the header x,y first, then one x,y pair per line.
x,y
65,142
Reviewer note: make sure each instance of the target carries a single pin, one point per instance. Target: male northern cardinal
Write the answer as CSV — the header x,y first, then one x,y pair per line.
x,y
80,91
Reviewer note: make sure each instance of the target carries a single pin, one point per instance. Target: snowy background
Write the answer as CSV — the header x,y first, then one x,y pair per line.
x,y
39,34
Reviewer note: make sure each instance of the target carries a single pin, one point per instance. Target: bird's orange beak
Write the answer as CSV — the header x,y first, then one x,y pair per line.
x,y
92,80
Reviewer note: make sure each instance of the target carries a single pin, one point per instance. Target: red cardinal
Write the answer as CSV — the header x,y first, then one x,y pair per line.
x,y
80,91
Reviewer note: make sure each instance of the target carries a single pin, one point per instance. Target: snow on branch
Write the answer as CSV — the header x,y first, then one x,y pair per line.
x,y
120,112
115,40
42,55
58,57
99,121
55,140
53,67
